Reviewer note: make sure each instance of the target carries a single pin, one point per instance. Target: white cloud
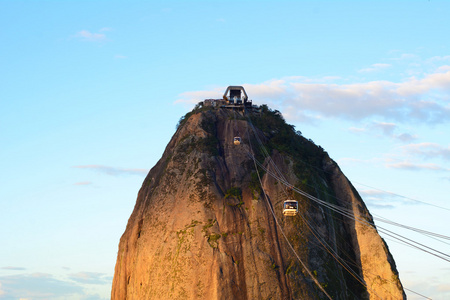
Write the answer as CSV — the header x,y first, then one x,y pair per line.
x,y
418,87
88,36
113,170
414,100
443,68
359,101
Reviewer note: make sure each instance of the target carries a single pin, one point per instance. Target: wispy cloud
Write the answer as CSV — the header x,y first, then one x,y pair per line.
x,y
411,157
86,35
383,199
90,278
375,68
428,285
428,150
83,183
356,129
387,129
46,286
113,170
406,137
13,268
193,97
406,56
379,205
38,286
439,58
377,193
414,100
445,287
407,165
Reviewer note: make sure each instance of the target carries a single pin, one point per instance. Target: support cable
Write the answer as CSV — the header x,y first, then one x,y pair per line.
x,y
281,229
345,212
362,221
334,255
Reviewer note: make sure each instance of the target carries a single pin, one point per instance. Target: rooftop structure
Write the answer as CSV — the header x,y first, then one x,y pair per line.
x,y
236,97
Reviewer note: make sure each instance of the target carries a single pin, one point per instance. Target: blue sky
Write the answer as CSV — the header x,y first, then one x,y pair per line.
x,y
91,92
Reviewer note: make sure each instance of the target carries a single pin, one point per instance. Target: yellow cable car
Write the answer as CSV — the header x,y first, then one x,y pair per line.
x,y
237,140
290,208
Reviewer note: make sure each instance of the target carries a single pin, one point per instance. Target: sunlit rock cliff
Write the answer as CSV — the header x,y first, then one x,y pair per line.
x,y
203,227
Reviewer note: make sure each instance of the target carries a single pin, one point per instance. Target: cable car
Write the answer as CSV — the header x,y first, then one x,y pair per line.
x,y
237,140
290,208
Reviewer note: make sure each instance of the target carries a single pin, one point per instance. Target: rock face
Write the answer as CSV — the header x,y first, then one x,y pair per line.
x,y
203,227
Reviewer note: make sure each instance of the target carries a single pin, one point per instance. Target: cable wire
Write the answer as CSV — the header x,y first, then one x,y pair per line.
x,y
281,229
345,212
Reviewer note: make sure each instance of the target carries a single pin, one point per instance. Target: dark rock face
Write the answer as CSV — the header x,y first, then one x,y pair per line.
x,y
202,227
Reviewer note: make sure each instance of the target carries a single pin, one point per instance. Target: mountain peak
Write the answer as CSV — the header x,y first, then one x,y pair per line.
x,y
208,221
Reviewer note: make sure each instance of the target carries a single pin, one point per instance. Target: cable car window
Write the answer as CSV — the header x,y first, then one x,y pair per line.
x,y
290,205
